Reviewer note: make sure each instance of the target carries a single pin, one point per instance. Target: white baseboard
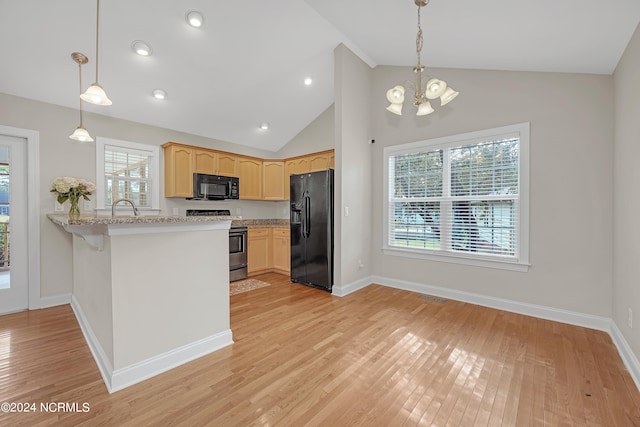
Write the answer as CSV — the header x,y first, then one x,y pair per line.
x,y
630,360
564,316
349,288
103,362
124,377
52,301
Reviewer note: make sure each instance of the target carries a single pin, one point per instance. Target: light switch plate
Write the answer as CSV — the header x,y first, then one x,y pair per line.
x,y
57,207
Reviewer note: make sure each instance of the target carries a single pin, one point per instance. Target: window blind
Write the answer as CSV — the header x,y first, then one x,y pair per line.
x,y
461,199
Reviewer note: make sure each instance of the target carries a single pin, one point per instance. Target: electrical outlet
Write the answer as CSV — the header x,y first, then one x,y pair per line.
x,y
346,211
630,318
87,206
58,207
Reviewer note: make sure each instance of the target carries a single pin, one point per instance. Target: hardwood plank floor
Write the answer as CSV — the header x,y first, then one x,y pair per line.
x,y
378,357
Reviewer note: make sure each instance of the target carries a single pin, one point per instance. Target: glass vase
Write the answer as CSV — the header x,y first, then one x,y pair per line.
x,y
74,209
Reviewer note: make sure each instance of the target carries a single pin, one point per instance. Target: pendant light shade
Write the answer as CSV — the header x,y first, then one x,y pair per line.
x,y
448,96
424,109
81,134
95,94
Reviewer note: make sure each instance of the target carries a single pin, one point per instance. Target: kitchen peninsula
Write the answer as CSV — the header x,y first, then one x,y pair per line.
x,y
150,292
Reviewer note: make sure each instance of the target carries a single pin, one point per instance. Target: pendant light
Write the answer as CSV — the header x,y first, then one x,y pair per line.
x,y
80,134
95,94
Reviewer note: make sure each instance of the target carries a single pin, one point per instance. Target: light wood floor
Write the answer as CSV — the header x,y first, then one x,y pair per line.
x,y
378,357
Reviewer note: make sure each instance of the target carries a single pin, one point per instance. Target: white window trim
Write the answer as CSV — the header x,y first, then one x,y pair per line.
x,y
101,142
522,263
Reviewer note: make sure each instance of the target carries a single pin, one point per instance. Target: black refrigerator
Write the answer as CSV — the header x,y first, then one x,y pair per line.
x,y
312,229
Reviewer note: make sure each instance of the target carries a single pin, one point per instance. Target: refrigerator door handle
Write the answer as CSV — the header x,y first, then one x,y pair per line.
x,y
307,215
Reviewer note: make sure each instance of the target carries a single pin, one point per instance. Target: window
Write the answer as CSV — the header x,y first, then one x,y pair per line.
x,y
461,199
127,170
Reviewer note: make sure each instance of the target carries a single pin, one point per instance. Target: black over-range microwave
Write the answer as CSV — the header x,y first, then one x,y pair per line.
x,y
215,187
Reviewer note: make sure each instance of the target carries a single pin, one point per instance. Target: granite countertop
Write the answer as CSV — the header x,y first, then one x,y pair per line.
x,y
261,223
64,220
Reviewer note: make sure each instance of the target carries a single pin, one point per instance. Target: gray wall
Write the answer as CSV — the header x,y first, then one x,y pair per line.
x,y
353,79
626,200
571,156
317,136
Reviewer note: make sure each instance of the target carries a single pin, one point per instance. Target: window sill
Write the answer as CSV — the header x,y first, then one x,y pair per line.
x,y
474,262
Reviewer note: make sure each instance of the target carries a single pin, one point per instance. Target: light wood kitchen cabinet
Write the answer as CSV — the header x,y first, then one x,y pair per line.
x,y
258,245
273,179
281,250
226,164
205,161
178,171
319,162
215,163
268,250
250,172
260,179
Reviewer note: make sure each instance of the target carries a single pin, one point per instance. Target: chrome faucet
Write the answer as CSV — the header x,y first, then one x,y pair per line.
x,y
113,207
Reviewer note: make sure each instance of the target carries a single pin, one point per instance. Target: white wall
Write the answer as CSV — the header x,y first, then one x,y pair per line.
x,y
571,118
61,156
353,189
626,190
317,136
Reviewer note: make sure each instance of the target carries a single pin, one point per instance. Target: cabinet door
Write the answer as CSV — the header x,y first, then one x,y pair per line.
x,y
227,164
281,250
205,161
178,171
289,169
250,178
302,165
318,162
273,180
257,250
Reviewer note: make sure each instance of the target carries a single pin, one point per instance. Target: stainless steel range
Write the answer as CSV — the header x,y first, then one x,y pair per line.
x,y
237,243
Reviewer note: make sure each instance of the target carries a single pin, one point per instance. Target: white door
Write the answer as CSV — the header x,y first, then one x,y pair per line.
x,y
14,273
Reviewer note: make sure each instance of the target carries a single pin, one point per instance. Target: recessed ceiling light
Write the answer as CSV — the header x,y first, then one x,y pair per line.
x,y
308,81
141,48
194,18
264,126
159,94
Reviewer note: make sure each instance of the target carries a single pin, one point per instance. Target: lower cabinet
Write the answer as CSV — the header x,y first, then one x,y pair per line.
x,y
281,245
268,251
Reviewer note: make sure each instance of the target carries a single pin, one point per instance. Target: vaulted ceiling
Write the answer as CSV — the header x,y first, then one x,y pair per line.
x,y
247,63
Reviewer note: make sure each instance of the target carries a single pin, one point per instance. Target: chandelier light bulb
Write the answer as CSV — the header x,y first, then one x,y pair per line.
x,y
395,95
435,88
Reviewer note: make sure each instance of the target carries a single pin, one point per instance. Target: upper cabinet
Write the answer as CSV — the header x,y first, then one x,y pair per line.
x,y
250,170
178,170
205,161
227,164
273,179
260,179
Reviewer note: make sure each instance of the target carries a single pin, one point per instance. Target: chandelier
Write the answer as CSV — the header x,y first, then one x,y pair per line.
x,y
434,88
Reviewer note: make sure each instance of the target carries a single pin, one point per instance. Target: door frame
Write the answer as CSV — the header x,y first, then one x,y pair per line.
x,y
32,138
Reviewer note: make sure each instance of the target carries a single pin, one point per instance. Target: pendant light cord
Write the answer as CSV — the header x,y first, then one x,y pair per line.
x,y
97,32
